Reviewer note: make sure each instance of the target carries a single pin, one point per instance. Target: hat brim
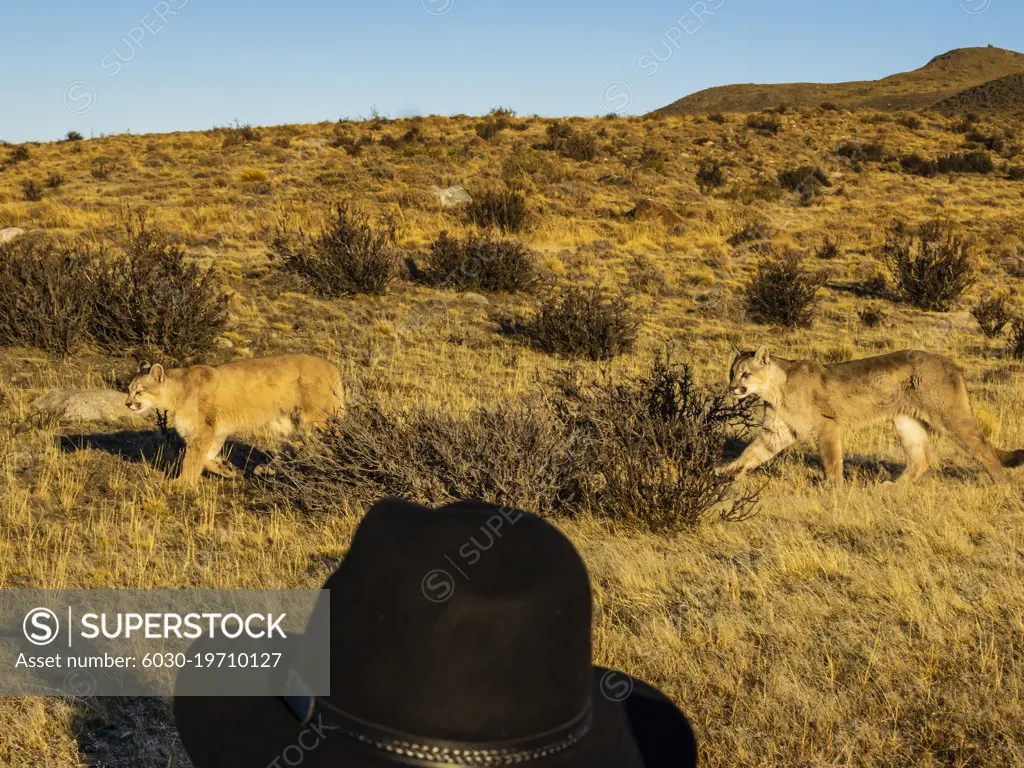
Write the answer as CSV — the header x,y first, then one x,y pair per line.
x,y
635,726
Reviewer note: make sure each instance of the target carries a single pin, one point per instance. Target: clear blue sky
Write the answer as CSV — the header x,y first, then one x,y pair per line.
x,y
150,66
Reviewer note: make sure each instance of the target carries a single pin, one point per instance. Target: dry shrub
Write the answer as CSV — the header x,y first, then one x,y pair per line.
x,y
102,168
580,322
872,317
932,269
651,447
861,152
46,295
993,315
1016,339
830,248
646,277
505,209
570,143
710,177
803,178
641,453
783,292
764,124
751,232
497,120
510,454
970,162
153,299
911,122
1015,173
240,133
32,190
349,255
479,264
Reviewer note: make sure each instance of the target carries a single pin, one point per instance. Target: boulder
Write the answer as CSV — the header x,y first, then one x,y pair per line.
x,y
451,196
10,233
78,405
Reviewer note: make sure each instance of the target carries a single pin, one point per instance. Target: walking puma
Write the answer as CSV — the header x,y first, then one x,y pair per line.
x,y
918,391
207,404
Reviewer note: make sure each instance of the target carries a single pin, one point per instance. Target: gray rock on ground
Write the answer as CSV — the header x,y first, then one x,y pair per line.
x,y
451,196
76,405
10,233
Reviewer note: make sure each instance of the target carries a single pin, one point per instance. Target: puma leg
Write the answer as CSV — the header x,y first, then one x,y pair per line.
x,y
914,437
830,443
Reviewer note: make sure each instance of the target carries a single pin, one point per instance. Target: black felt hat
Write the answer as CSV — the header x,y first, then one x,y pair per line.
x,y
459,636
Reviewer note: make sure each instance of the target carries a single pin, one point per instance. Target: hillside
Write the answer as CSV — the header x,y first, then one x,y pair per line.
x,y
941,78
1004,96
856,628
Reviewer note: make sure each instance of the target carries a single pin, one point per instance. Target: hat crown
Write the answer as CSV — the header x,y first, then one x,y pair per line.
x,y
466,623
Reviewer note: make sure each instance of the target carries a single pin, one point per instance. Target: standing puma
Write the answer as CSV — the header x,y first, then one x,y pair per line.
x,y
916,390
207,404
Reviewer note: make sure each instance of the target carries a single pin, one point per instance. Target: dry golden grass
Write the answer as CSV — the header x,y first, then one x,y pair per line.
x,y
868,627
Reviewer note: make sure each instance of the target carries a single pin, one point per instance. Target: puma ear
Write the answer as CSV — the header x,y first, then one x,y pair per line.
x,y
157,372
735,350
763,356
144,367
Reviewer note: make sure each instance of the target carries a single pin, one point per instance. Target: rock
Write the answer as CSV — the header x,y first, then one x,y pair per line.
x,y
475,298
651,210
10,233
75,405
451,196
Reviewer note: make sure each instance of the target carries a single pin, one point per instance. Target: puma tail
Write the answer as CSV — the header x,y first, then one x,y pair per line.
x,y
1011,459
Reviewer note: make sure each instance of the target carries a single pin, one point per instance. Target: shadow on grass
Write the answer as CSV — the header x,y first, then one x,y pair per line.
x,y
160,451
856,467
127,731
